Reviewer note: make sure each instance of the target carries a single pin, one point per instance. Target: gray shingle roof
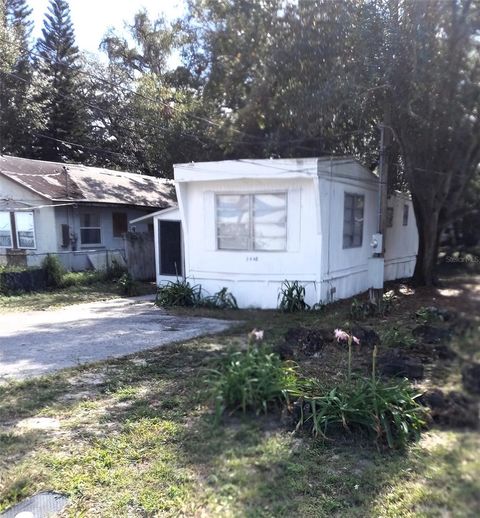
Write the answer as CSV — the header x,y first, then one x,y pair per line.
x,y
65,182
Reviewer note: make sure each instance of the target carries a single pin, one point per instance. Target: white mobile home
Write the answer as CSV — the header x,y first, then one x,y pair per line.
x,y
251,224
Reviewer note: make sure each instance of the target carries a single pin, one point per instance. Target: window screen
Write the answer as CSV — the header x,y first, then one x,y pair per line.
x,y
120,224
90,231
5,230
25,229
252,222
353,220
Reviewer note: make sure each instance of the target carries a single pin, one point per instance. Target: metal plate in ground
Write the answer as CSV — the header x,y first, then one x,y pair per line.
x,y
42,505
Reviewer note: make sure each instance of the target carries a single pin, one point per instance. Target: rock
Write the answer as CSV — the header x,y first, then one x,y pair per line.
x,y
367,337
453,409
431,335
471,378
393,363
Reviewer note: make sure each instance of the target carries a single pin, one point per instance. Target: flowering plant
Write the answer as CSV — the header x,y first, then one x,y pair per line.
x,y
343,336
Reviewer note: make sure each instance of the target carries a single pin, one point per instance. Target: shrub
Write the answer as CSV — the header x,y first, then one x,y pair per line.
x,y
114,270
223,299
362,310
54,271
292,297
394,337
389,412
127,285
254,380
178,293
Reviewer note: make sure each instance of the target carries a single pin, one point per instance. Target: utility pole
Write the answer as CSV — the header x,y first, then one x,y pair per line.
x,y
378,262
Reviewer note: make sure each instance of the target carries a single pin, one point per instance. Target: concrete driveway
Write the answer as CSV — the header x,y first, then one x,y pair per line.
x,y
37,342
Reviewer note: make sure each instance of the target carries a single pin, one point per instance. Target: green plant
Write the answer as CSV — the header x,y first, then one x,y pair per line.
x,y
388,412
223,299
114,270
361,310
127,284
292,297
394,337
54,271
178,293
255,380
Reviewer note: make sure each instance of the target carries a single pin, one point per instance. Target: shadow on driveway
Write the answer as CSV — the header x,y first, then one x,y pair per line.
x,y
38,342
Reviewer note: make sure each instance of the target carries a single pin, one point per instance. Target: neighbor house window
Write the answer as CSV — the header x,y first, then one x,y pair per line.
x,y
353,220
405,215
17,229
25,229
5,230
120,224
90,231
389,217
252,221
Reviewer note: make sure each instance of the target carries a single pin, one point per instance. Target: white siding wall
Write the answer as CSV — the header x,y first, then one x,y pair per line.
x,y
345,270
401,241
254,277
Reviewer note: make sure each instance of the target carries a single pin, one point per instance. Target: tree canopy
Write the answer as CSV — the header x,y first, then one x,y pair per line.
x,y
243,78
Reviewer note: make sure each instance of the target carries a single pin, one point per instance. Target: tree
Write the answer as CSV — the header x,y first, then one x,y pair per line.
x,y
58,63
16,71
433,71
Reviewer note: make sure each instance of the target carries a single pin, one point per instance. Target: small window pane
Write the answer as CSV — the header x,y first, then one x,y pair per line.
x,y
405,215
270,222
233,222
353,216
25,229
90,236
5,230
90,220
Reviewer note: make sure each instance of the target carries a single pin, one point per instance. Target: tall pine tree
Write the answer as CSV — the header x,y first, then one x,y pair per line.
x,y
59,65
15,78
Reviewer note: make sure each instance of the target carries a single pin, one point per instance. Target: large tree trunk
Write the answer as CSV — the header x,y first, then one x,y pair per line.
x,y
428,233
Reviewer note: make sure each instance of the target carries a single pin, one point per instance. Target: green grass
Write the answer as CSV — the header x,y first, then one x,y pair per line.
x,y
137,438
76,293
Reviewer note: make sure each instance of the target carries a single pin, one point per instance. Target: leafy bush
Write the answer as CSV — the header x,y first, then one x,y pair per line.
x,y
178,293
223,299
389,412
127,285
361,310
114,271
54,271
84,278
255,380
292,297
394,337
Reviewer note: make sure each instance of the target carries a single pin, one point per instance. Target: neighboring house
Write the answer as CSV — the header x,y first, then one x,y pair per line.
x,y
72,210
251,224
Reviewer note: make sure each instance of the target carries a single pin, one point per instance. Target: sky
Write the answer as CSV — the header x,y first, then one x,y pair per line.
x,y
92,18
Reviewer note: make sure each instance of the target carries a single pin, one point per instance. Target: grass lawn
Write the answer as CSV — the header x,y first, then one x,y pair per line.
x,y
71,295
135,437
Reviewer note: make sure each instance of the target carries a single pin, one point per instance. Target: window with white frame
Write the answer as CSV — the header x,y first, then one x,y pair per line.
x,y
25,229
17,230
252,221
6,240
90,229
353,220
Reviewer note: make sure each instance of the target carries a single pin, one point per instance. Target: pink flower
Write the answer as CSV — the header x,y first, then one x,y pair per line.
x,y
341,335
356,340
256,335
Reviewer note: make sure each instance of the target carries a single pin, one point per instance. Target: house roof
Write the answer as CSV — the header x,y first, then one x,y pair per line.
x,y
274,168
73,182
